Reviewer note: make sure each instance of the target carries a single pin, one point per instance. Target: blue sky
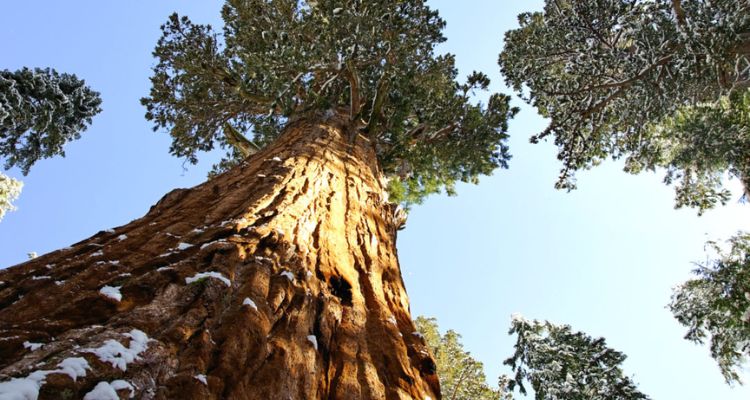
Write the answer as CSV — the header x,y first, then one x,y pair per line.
x,y
603,258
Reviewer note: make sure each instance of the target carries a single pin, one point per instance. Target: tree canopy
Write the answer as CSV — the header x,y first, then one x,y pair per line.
x,y
461,376
715,306
560,363
275,60
40,111
663,83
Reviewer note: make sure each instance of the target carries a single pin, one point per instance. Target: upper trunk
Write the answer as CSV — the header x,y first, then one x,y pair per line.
x,y
309,302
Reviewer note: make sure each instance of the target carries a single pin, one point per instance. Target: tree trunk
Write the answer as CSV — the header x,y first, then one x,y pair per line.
x,y
278,279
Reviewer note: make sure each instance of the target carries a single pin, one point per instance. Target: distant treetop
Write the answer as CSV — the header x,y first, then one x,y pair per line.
x,y
562,364
40,111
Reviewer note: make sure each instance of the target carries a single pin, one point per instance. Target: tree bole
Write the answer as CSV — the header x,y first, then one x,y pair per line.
x,y
278,279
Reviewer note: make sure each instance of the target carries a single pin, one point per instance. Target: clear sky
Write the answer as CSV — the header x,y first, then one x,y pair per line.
x,y
603,258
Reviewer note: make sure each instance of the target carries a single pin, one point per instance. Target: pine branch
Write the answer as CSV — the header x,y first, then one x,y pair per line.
x,y
619,84
261,102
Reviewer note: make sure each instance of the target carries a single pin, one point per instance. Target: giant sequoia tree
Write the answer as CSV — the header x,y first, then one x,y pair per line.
x,y
663,83
278,278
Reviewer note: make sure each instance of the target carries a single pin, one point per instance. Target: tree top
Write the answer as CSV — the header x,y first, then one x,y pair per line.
x,y
276,59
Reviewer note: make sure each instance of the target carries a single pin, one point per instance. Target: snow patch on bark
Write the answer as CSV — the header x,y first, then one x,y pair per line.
x,y
74,367
119,356
108,391
248,302
211,243
113,292
27,388
204,275
183,246
121,385
312,339
32,346
288,275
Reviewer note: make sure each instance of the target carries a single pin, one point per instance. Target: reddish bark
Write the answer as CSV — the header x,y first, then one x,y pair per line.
x,y
301,229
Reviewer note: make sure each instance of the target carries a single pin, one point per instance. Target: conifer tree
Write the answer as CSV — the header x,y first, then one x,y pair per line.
x,y
40,111
562,364
662,83
715,306
461,376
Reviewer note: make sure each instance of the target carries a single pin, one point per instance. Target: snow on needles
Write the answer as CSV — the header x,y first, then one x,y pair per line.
x,y
517,317
204,275
119,356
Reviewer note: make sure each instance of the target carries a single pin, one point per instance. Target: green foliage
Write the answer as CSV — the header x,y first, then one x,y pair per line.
x,y
662,83
9,190
461,376
278,59
40,111
716,306
562,364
